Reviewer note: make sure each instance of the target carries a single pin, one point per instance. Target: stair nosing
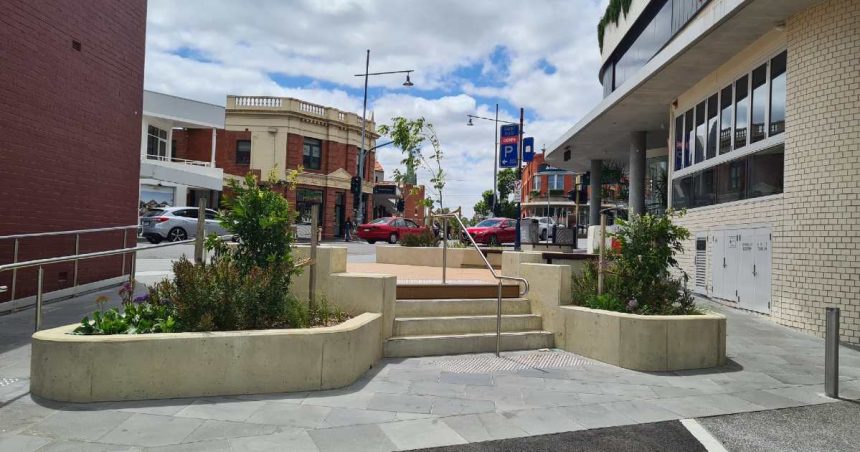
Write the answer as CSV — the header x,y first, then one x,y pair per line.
x,y
468,335
482,317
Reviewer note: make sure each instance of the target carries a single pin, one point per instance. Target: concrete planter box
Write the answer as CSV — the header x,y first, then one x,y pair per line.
x,y
71,368
432,257
647,343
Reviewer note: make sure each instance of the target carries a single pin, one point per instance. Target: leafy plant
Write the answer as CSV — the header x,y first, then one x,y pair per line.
x,y
425,239
409,136
611,15
638,276
139,315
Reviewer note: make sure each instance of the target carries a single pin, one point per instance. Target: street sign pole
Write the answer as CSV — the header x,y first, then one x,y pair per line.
x,y
519,178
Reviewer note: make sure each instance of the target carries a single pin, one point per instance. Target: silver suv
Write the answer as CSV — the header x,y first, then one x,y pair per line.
x,y
177,223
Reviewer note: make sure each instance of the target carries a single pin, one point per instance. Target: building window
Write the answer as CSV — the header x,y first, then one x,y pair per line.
x,y
243,152
777,94
700,133
156,143
305,199
711,150
759,103
758,174
536,183
726,119
741,107
679,142
688,138
555,182
311,154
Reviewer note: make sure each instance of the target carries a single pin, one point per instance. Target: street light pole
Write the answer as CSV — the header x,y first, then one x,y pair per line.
x,y
362,153
517,239
496,164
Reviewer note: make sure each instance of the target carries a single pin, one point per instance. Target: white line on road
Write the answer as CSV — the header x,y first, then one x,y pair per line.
x,y
700,433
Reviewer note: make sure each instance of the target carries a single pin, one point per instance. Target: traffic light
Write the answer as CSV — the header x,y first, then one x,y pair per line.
x,y
400,205
586,179
355,185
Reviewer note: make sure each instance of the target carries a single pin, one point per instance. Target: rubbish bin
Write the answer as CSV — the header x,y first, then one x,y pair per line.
x,y
529,230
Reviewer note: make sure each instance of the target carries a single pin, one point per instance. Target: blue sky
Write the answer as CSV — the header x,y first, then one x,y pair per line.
x,y
466,56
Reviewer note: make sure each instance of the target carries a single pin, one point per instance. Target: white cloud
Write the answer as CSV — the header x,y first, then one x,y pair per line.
x,y
321,45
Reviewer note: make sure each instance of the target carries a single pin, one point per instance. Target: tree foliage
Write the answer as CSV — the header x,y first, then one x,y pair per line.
x,y
410,135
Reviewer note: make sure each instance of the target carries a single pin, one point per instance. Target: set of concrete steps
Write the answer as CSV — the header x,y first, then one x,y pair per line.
x,y
435,319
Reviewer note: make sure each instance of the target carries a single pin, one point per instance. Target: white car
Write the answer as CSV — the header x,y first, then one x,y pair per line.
x,y
545,225
177,223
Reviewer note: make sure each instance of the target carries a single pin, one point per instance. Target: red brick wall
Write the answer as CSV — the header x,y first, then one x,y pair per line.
x,y
71,129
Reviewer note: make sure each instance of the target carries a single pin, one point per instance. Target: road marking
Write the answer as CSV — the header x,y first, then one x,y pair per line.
x,y
700,433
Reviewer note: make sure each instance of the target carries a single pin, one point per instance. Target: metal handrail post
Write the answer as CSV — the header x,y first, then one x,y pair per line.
x,y
499,319
124,256
39,281
78,251
444,251
14,271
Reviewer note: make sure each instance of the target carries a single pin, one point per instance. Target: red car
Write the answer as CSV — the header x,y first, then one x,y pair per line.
x,y
389,229
493,231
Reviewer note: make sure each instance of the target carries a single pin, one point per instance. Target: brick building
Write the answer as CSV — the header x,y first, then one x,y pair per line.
x,y
753,104
546,195
268,135
71,89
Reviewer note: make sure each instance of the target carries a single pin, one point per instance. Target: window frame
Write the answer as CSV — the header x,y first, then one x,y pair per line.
x,y
308,159
248,152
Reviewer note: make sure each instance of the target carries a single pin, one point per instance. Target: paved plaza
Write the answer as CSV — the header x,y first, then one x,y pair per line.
x,y
403,404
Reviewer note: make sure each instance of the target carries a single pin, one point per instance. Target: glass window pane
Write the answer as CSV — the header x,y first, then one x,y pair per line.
x,y
741,107
726,120
766,172
679,142
712,127
777,94
682,192
700,132
704,189
759,103
731,181
688,138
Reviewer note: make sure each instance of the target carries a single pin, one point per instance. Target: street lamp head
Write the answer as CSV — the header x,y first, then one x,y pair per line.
x,y
408,82
470,124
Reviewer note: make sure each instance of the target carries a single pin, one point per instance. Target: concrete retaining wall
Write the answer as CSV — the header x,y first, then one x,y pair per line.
x,y
432,257
72,368
640,342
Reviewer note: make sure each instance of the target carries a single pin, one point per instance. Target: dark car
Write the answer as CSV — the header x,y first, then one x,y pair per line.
x,y
390,229
493,231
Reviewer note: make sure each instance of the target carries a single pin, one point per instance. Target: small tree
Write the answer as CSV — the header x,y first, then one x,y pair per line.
x,y
409,136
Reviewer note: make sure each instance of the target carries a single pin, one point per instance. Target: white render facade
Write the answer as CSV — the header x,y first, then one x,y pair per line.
x,y
757,103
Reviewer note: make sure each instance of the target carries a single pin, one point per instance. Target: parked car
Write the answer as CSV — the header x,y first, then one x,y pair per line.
x,y
493,231
177,223
390,229
545,225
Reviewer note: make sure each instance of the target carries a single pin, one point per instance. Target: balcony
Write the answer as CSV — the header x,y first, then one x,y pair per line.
x,y
193,173
238,104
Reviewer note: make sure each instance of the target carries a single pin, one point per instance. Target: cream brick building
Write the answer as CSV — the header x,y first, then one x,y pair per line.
x,y
754,105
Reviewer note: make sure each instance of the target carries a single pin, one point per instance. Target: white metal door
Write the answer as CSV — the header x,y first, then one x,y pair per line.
x,y
718,263
762,271
746,273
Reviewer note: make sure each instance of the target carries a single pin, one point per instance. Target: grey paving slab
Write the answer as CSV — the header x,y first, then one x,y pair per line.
x,y
221,409
808,395
356,438
442,406
217,445
466,379
642,411
541,421
766,399
383,385
290,414
421,433
80,446
167,407
406,403
339,398
20,442
79,425
596,416
437,389
151,430
706,405
21,414
483,427
293,441
545,398
212,429
342,417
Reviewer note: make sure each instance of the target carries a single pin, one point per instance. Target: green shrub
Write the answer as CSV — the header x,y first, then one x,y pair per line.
x,y
425,239
638,277
138,316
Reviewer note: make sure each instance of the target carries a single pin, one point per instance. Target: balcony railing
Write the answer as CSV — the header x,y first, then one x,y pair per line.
x,y
164,158
258,101
288,104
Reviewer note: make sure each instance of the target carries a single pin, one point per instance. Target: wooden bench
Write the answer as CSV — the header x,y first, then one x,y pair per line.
x,y
555,255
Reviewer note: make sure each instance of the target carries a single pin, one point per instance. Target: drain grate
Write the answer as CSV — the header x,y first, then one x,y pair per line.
x,y
4,381
487,362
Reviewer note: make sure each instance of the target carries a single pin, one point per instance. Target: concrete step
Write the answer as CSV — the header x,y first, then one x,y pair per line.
x,y
419,326
459,307
455,290
456,344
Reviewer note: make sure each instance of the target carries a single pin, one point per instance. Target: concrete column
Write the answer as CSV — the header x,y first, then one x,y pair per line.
x,y
636,201
212,161
594,198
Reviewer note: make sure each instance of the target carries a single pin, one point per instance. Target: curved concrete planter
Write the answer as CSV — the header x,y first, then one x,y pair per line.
x,y
72,368
432,257
648,343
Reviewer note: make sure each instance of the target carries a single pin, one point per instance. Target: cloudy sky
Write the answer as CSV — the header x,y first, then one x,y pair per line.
x,y
467,56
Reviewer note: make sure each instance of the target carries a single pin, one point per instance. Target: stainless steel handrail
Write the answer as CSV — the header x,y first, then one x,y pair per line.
x,y
77,233
14,266
456,215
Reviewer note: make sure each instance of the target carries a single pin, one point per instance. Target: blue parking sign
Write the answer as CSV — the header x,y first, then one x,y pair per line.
x,y
528,149
509,146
